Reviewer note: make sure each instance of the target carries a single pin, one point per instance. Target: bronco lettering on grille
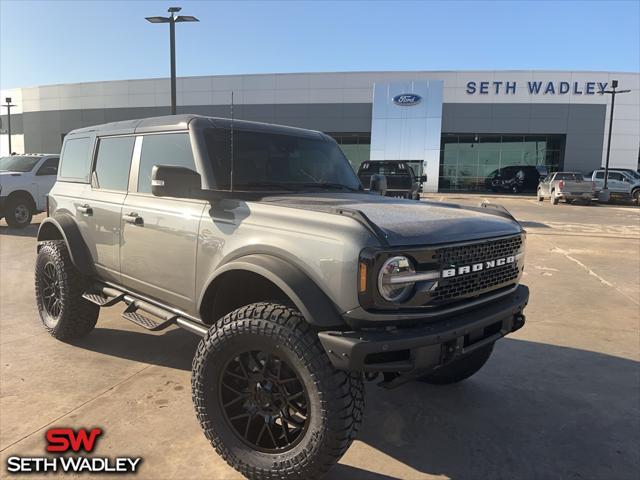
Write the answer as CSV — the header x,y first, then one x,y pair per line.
x,y
455,270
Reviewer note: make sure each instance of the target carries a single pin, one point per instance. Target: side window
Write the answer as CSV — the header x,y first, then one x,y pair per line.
x,y
49,167
600,175
113,163
616,176
76,160
164,149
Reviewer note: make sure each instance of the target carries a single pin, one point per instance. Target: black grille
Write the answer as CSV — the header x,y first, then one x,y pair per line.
x,y
476,283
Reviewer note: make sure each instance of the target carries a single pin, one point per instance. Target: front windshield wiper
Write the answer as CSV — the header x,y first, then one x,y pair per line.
x,y
281,186
330,185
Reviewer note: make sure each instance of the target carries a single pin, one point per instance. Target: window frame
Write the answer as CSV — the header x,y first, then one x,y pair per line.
x,y
94,161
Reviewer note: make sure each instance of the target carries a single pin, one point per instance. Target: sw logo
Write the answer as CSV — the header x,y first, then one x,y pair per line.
x,y
67,440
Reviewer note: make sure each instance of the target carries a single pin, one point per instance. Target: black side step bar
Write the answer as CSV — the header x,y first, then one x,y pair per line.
x,y
107,296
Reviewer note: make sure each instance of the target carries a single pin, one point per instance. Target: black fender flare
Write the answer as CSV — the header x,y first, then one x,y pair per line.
x,y
63,226
309,299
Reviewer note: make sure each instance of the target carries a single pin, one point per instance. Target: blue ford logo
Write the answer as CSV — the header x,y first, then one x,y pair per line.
x,y
407,99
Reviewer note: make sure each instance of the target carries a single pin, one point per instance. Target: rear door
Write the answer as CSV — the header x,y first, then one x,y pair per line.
x,y
101,206
160,234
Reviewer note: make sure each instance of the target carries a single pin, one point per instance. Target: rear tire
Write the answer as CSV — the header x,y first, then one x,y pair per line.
x,y
260,426
635,196
555,200
460,369
540,197
19,211
59,288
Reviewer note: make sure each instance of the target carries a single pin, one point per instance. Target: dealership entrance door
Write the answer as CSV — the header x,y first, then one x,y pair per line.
x,y
467,160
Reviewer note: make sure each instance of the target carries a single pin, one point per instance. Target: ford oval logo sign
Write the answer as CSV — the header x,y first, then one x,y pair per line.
x,y
407,99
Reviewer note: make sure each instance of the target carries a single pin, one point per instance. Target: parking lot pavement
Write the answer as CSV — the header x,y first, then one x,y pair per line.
x,y
558,399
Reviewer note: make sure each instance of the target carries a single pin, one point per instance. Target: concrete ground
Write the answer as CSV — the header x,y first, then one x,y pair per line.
x,y
559,399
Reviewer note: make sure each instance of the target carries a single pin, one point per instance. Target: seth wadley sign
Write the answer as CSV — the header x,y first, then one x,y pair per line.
x,y
536,88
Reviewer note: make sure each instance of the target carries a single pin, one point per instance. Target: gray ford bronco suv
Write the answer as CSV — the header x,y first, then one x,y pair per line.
x,y
261,239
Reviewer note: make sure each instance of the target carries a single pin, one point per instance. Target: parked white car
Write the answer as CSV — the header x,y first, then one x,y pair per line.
x,y
25,181
621,183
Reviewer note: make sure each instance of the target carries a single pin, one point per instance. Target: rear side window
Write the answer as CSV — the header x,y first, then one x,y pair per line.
x,y
172,149
113,163
600,175
75,160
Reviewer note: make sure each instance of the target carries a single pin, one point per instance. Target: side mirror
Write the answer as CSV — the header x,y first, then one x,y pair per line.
x,y
423,178
179,182
378,183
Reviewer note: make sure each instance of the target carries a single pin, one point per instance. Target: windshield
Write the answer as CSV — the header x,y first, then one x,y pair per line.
x,y
268,161
18,163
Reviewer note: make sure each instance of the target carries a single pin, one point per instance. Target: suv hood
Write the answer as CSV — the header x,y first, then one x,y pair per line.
x,y
408,222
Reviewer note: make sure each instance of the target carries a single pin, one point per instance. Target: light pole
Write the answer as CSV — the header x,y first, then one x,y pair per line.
x,y
9,105
604,193
172,20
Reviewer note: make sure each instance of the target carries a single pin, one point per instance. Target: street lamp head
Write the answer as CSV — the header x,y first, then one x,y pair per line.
x,y
8,99
158,19
186,18
174,9
614,83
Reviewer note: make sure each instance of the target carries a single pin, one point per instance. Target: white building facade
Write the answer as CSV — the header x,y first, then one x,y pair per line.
x,y
463,125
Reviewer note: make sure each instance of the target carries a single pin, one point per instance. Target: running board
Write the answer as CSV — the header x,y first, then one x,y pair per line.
x,y
131,314
104,298
162,317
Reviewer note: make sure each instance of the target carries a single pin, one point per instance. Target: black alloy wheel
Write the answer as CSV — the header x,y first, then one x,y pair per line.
x,y
51,297
264,401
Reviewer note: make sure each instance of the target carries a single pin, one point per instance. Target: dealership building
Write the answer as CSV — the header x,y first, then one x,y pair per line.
x,y
461,125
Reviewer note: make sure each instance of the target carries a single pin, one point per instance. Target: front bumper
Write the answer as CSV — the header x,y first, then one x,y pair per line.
x,y
423,348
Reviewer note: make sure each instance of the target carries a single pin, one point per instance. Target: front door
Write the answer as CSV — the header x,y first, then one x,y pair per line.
x,y
160,234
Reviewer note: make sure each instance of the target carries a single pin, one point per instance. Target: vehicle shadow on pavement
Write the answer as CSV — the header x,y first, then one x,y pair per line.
x,y
534,411
30,231
172,348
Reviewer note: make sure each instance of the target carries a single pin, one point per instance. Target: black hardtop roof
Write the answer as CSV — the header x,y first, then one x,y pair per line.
x,y
182,122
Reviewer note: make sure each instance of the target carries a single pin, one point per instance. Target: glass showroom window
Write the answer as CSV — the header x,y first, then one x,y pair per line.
x,y
467,160
355,146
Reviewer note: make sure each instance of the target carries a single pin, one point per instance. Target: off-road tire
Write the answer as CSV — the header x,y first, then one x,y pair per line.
x,y
336,398
77,316
19,211
460,369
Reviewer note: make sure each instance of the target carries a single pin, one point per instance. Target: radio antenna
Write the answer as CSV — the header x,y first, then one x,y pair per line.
x,y
231,173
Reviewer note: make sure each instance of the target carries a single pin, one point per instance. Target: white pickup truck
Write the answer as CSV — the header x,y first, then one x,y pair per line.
x,y
25,181
567,186
621,183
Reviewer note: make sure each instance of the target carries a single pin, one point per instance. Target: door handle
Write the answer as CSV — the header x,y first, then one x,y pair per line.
x,y
85,209
133,218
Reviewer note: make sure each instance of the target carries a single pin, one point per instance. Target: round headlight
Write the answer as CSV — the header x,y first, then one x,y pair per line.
x,y
390,283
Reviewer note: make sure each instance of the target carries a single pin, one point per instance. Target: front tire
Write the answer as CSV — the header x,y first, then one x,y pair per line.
x,y
460,369
19,212
635,196
59,288
268,398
